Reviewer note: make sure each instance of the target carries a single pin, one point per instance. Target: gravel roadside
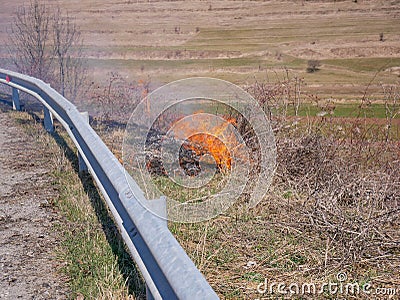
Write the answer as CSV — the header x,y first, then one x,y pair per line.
x,y
28,269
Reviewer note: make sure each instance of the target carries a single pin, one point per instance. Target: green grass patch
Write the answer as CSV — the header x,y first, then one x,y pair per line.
x,y
345,110
96,259
364,64
253,276
176,191
188,64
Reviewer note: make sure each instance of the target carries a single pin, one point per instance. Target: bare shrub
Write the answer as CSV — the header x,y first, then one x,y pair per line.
x,y
278,97
115,100
346,173
67,50
46,44
313,65
350,189
29,40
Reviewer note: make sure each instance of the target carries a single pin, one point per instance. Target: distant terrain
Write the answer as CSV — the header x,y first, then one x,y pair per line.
x,y
356,43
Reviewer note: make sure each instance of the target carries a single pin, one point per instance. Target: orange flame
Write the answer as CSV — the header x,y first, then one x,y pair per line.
x,y
204,143
209,143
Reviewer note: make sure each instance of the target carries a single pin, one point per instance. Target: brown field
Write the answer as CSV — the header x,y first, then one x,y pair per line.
x,y
241,41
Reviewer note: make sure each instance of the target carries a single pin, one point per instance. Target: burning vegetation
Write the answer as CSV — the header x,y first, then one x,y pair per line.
x,y
204,139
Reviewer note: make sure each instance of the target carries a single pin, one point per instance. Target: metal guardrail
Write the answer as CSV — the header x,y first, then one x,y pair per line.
x,y
168,271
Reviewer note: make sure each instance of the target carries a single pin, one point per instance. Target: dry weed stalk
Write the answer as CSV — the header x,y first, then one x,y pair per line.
x,y
347,173
115,101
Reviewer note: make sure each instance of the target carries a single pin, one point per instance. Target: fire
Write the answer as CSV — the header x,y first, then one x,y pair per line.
x,y
204,143
203,137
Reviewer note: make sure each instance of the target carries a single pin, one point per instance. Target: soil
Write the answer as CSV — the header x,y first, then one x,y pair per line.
x,y
28,268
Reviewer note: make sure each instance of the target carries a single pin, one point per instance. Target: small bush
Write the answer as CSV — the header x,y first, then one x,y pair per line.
x,y
313,65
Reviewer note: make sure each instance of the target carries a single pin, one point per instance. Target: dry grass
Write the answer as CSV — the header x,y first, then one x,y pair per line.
x,y
333,206
92,254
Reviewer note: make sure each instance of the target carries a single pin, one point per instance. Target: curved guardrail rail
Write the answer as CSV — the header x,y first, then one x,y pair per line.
x,y
168,271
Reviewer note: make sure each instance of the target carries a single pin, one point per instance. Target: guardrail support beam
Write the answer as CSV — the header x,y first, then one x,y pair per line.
x,y
81,162
48,120
15,99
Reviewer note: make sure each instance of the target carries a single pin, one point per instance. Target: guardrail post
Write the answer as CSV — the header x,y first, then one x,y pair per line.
x,y
15,99
82,165
48,120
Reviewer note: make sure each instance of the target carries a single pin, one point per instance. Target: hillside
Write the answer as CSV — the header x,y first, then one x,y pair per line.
x,y
240,41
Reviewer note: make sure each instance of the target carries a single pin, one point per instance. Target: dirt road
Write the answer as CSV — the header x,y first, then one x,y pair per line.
x,y
27,236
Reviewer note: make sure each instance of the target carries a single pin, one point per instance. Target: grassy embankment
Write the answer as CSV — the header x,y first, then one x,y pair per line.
x,y
91,252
